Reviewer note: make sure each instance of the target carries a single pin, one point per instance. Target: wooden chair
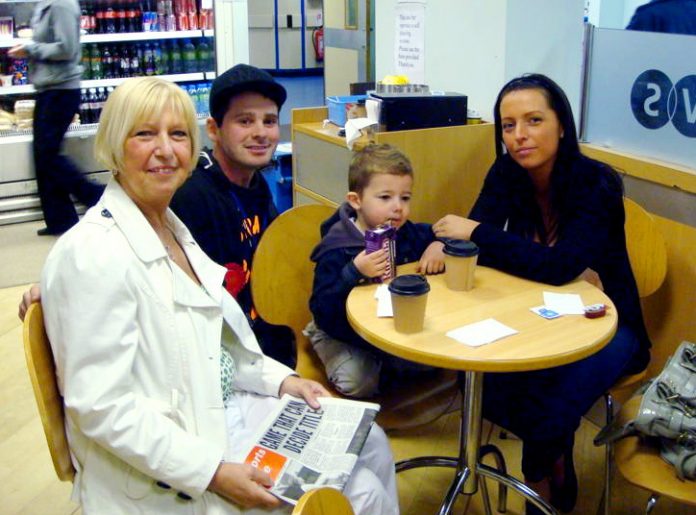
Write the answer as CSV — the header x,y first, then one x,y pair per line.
x,y
641,465
647,253
281,285
323,501
42,372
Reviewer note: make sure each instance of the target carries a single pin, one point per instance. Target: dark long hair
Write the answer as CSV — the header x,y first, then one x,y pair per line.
x,y
568,148
569,162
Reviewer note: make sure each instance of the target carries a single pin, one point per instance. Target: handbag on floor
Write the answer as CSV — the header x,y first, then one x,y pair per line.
x,y
667,412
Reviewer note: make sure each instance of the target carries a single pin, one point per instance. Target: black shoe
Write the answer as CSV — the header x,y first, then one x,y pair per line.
x,y
564,496
531,509
50,232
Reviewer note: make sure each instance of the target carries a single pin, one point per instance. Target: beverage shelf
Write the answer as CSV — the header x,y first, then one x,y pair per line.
x,y
10,42
141,36
124,36
102,83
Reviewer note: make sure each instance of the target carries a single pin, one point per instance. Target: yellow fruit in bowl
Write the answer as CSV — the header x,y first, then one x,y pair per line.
x,y
397,80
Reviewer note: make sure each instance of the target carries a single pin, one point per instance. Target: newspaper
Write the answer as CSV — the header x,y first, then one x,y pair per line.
x,y
302,448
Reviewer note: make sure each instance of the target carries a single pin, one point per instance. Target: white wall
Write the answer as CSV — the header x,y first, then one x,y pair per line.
x,y
475,46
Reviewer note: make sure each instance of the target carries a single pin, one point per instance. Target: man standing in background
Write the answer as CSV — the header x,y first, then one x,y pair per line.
x,y
55,71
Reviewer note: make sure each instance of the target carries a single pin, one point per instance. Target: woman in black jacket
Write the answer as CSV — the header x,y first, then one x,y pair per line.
x,y
550,214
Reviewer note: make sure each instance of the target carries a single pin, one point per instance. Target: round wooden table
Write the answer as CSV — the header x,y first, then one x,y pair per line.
x,y
539,343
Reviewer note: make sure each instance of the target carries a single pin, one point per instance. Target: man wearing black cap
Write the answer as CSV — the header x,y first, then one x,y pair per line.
x,y
227,205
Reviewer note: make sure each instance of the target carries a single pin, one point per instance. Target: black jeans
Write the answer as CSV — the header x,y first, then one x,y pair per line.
x,y
543,408
57,176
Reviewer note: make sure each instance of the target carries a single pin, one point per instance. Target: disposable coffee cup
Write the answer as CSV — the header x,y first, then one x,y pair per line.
x,y
409,294
460,264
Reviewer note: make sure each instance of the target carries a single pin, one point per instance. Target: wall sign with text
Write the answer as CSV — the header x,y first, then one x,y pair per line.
x,y
656,101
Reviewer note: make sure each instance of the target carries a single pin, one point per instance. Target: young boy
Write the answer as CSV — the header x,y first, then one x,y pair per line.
x,y
380,179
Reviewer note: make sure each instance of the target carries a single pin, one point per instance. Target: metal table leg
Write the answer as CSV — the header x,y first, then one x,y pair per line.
x,y
468,464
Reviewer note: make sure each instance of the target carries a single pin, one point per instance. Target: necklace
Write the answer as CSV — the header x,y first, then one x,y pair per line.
x,y
168,248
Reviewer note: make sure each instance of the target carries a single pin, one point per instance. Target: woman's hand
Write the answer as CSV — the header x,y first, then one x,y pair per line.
x,y
592,277
30,296
373,264
17,52
305,389
455,227
433,259
244,485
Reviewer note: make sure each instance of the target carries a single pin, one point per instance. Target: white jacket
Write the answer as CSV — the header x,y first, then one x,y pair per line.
x,y
138,362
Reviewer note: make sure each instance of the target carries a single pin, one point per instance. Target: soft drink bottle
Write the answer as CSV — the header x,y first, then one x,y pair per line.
x,y
85,115
175,58
110,20
86,68
93,105
160,63
84,19
132,63
189,56
101,99
191,14
107,63
99,17
125,62
205,99
95,61
120,16
161,17
135,17
203,56
92,19
169,18
116,61
148,60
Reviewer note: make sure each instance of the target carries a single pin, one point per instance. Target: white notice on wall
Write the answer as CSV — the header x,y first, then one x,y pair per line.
x,y
409,44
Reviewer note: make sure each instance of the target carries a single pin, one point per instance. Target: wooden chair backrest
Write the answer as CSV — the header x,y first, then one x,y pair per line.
x,y
42,372
646,248
282,276
323,501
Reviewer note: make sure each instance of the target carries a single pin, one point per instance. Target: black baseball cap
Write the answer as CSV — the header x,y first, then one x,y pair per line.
x,y
240,79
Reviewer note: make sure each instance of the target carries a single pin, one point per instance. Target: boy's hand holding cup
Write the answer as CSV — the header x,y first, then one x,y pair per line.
x,y
373,264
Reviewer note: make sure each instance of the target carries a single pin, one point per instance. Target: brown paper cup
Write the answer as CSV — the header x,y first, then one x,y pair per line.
x,y
409,296
459,272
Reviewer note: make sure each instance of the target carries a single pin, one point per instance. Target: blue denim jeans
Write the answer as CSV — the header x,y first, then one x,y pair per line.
x,y
57,176
544,407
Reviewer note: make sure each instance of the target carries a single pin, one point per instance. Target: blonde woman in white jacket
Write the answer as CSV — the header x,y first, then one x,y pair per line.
x,y
139,323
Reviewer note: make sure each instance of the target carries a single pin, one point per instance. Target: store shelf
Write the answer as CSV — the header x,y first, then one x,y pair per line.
x,y
16,90
124,36
10,42
104,83
140,36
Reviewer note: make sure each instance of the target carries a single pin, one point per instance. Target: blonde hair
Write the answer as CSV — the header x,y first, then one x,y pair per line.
x,y
132,103
376,159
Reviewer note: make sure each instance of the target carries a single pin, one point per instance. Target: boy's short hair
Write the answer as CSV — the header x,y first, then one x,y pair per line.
x,y
376,159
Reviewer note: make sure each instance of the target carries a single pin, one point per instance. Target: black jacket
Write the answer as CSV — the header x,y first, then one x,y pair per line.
x,y
590,235
227,221
673,16
335,274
